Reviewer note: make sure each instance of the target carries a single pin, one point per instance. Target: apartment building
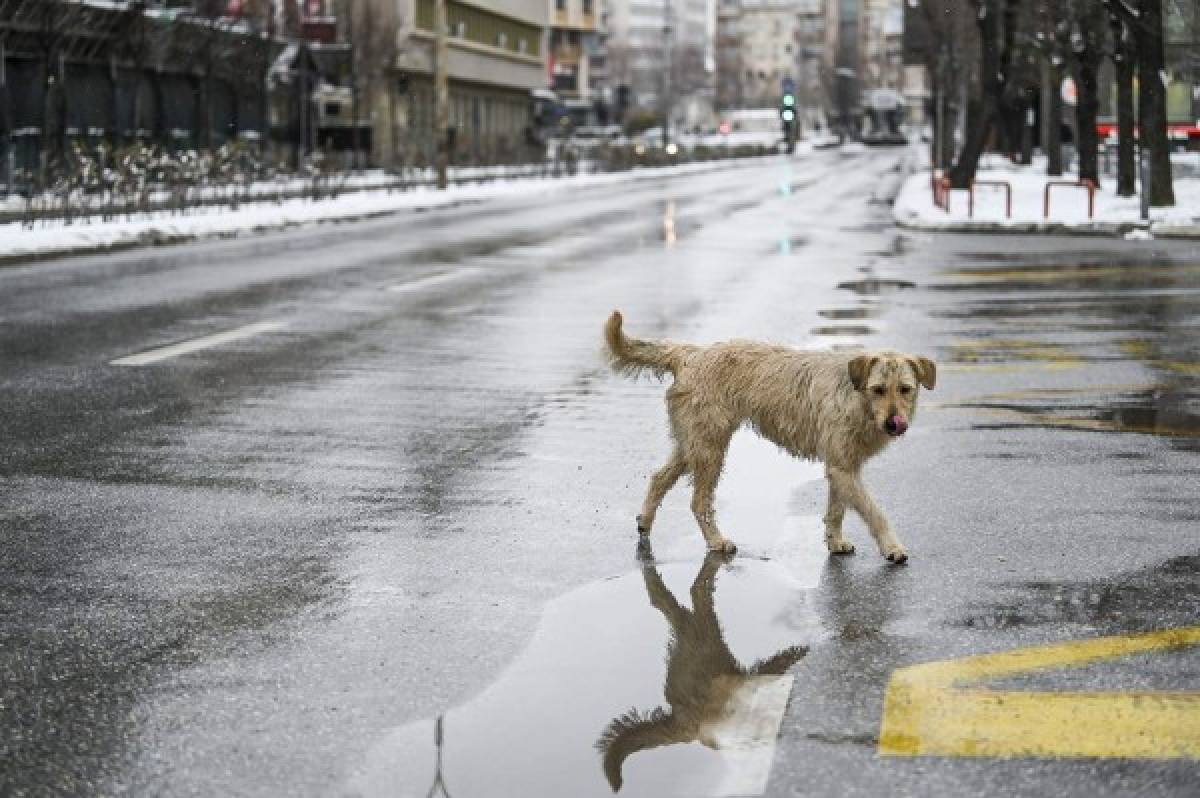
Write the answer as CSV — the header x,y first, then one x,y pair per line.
x,y
880,48
768,45
497,56
662,51
572,41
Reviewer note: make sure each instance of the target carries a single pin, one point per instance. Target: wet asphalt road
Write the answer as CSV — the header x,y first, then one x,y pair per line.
x,y
269,566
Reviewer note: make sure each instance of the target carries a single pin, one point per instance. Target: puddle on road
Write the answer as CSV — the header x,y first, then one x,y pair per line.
x,y
788,244
1157,597
876,286
1159,410
847,314
842,329
671,680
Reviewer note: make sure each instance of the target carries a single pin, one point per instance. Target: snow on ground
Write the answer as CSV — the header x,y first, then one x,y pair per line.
x,y
57,237
1068,204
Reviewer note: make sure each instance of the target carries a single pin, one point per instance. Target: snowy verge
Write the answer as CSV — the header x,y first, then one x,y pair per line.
x,y
914,207
57,238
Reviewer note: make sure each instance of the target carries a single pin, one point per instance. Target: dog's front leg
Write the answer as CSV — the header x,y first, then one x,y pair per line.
x,y
849,489
835,511
705,476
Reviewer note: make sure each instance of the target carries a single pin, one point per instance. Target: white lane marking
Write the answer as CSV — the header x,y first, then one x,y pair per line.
x,y
746,737
430,281
196,344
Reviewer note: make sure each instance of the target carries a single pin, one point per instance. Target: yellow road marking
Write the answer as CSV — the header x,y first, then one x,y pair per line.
x,y
1066,273
1004,353
938,709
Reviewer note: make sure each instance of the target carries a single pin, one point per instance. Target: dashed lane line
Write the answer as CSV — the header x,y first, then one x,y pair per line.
x,y
197,344
430,281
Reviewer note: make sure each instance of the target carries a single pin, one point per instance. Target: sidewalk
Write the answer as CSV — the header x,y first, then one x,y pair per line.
x,y
914,207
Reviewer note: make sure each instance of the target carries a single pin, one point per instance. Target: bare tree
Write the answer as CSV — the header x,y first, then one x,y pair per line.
x,y
1124,56
371,34
55,23
1088,38
1145,20
949,42
996,21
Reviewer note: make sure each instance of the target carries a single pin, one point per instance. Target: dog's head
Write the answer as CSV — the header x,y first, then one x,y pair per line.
x,y
889,381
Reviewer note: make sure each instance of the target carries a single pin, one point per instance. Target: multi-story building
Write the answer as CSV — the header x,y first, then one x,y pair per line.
x,y
662,51
880,48
768,50
812,82
840,60
572,39
496,57
729,54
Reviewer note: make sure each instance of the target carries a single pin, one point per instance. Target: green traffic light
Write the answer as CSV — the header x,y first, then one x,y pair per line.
x,y
788,115
789,99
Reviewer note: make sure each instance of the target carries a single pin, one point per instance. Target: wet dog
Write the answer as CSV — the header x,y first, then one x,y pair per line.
x,y
839,408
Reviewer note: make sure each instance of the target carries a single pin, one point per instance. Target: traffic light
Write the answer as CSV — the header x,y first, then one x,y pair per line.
x,y
787,116
787,108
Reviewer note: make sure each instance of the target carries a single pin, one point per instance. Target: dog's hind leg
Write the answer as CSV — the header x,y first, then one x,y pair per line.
x,y
663,480
849,488
835,512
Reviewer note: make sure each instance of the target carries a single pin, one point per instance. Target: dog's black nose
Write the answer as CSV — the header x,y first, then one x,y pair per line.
x,y
890,425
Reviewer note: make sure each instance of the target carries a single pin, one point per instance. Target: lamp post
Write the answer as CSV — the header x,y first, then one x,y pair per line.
x,y
441,93
666,72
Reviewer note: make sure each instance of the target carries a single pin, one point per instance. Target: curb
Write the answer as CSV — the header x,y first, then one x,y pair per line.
x,y
1098,229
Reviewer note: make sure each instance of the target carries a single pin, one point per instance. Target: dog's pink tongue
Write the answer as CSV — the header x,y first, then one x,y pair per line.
x,y
901,424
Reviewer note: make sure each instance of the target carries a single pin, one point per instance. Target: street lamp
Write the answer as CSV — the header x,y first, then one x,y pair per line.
x,y
666,72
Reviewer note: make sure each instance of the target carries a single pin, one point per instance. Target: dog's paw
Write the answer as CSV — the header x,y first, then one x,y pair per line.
x,y
838,547
723,546
644,524
896,554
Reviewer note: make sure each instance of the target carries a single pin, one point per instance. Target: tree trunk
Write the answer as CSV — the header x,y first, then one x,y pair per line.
x,y
1087,106
53,110
1026,127
981,116
1123,63
1152,101
1052,120
984,109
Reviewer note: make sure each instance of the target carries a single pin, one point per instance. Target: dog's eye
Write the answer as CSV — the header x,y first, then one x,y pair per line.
x,y
878,390
905,388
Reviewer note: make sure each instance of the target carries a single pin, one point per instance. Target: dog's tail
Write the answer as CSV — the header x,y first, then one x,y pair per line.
x,y
632,356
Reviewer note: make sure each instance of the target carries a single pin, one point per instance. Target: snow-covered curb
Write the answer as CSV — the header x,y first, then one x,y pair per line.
x,y
56,238
914,207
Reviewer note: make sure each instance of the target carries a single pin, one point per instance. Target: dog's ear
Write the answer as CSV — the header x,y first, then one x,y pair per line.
x,y
860,369
925,370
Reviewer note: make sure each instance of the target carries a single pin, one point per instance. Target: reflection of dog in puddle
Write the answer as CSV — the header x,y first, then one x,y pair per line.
x,y
705,686
840,408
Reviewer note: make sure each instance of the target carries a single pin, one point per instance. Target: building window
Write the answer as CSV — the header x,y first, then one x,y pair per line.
x,y
587,7
560,5
502,39
522,46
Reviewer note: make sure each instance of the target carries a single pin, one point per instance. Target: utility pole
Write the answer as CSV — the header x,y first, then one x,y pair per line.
x,y
441,92
668,63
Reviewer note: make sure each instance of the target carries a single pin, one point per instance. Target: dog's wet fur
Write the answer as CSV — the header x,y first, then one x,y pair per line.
x,y
839,408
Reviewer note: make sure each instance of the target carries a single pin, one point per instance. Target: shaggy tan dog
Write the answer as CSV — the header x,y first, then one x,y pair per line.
x,y
840,408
